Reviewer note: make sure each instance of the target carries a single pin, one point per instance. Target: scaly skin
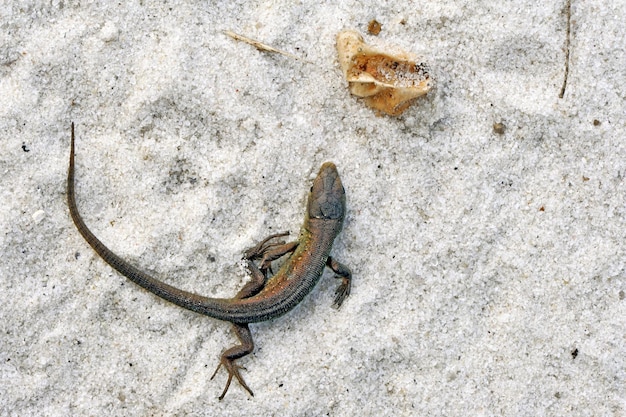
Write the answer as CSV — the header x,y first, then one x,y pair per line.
x,y
263,298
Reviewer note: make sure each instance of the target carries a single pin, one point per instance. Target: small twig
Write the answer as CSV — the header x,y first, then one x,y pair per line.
x,y
261,46
567,46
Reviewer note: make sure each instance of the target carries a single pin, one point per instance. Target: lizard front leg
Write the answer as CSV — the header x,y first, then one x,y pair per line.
x,y
344,273
266,252
257,250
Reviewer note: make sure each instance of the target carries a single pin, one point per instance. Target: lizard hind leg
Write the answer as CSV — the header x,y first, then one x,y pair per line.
x,y
232,354
266,251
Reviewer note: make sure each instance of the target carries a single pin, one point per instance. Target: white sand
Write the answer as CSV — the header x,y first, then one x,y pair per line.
x,y
489,269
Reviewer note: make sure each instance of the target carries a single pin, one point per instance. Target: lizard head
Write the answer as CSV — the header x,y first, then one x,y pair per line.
x,y
327,199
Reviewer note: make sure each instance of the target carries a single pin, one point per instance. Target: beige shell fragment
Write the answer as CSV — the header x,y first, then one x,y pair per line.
x,y
388,82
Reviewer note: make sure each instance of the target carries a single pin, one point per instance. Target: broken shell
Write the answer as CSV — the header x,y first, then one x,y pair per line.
x,y
388,82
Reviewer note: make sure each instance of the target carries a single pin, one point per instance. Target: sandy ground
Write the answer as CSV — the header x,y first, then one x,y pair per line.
x,y
489,268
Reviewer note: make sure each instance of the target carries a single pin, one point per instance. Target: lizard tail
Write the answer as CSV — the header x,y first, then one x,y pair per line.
x,y
212,307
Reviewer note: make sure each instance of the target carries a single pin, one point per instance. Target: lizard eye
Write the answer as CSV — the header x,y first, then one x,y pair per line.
x,y
311,190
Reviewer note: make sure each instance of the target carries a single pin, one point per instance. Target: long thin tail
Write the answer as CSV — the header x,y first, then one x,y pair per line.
x,y
179,297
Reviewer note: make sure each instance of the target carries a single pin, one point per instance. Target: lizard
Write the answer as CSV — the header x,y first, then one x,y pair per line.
x,y
265,296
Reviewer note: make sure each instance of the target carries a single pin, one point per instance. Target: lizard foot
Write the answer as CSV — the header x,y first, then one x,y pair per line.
x,y
267,252
343,273
342,292
258,250
231,355
233,370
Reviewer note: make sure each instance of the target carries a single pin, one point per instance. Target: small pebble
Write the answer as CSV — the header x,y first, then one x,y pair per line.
x,y
109,32
374,27
38,216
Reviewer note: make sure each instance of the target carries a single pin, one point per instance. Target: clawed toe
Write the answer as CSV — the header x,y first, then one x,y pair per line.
x,y
233,370
341,293
257,251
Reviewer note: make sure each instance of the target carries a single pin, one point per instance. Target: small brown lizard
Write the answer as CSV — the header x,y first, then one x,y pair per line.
x,y
265,296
